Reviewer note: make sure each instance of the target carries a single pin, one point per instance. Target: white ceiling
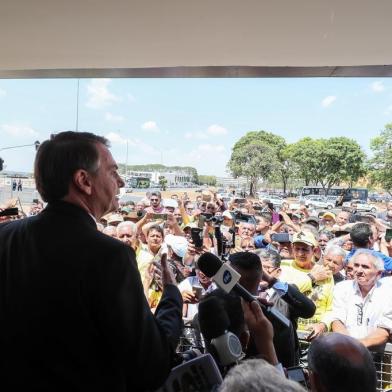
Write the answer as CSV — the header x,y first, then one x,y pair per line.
x,y
43,38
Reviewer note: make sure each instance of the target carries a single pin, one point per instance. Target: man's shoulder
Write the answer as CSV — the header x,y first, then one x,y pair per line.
x,y
13,226
344,287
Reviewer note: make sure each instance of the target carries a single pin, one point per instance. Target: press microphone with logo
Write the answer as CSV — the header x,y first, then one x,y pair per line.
x,y
226,277
214,325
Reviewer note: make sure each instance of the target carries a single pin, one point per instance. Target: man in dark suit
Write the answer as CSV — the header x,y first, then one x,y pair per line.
x,y
73,315
284,297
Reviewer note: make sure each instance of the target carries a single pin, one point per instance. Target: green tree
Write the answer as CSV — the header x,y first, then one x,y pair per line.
x,y
162,182
254,160
283,167
305,155
339,159
380,165
328,161
209,180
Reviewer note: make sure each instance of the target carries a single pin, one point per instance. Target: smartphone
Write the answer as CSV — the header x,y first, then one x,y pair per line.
x,y
281,237
159,216
197,236
296,373
197,291
388,235
240,201
9,212
258,208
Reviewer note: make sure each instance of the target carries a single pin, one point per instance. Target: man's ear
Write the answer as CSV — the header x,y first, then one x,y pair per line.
x,y
83,182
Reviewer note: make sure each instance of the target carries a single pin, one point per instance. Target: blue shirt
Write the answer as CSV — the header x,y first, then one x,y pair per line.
x,y
386,259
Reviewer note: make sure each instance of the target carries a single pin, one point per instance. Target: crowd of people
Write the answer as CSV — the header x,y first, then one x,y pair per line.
x,y
127,277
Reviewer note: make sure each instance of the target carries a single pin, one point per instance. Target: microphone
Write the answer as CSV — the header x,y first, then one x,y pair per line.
x,y
214,325
226,277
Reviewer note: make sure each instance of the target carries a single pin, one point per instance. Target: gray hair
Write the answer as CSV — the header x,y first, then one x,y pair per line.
x,y
271,255
257,375
376,261
311,229
335,250
129,224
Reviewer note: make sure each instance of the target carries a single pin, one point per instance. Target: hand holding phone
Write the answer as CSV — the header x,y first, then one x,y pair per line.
x,y
388,235
197,237
197,292
159,216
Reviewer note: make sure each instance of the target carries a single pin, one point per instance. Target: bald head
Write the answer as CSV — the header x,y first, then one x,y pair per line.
x,y
341,363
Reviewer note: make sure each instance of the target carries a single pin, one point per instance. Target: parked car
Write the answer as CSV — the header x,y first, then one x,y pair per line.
x,y
361,206
276,201
319,202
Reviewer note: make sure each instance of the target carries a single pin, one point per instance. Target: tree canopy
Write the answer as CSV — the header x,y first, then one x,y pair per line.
x,y
254,157
328,162
380,165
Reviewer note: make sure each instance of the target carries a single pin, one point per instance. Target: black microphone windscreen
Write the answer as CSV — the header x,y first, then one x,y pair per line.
x,y
213,318
209,264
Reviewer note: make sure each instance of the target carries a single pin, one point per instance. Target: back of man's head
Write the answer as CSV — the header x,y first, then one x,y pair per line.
x,y
59,158
340,363
361,234
257,375
248,264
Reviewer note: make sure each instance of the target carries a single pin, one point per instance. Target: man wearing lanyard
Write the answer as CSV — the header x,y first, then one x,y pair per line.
x,y
362,308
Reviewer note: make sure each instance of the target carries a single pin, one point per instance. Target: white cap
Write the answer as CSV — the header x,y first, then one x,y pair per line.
x,y
170,203
177,243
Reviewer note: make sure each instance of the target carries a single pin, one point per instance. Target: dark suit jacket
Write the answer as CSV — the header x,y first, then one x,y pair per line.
x,y
73,314
293,304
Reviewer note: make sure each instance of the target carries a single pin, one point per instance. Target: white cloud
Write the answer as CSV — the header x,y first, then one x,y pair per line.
x,y
136,143
388,110
113,118
211,148
3,93
196,135
216,129
327,101
115,138
99,95
150,126
377,87
18,130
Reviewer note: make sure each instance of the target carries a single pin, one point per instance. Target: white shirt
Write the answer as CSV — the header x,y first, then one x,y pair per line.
x,y
361,316
186,285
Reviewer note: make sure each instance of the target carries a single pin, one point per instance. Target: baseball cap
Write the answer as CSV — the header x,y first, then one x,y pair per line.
x,y
329,215
304,237
312,219
170,203
227,214
190,225
114,218
178,243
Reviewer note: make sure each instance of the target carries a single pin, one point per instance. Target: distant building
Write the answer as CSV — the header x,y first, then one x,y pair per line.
x,y
231,182
172,177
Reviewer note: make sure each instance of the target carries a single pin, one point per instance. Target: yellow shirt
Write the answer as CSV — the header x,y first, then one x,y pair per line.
x,y
145,261
321,294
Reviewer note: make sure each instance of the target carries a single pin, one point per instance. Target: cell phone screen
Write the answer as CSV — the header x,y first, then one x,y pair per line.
x,y
388,235
297,374
197,239
160,216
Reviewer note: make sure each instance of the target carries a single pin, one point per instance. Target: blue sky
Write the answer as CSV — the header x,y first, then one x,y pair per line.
x,y
189,122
